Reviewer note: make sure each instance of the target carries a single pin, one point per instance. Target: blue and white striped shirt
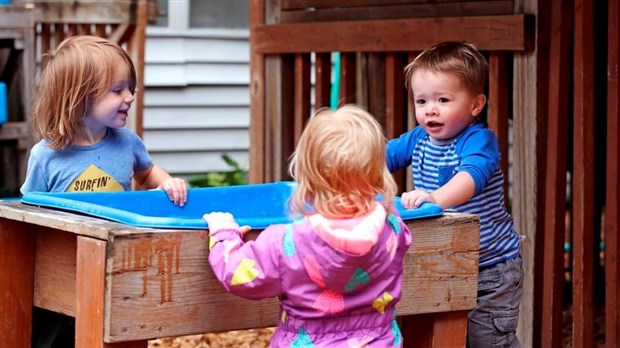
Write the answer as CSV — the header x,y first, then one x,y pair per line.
x,y
476,152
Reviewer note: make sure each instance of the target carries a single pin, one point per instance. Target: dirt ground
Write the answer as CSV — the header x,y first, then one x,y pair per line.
x,y
258,338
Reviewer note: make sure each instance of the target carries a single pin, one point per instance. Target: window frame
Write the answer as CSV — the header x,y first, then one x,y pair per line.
x,y
178,25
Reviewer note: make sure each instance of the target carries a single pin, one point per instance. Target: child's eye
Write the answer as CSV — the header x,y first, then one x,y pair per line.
x,y
420,101
444,100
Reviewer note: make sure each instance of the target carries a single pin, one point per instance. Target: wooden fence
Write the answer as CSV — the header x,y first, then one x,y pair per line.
x,y
547,75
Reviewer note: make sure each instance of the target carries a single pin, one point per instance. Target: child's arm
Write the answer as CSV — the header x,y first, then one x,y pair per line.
x,y
251,269
157,178
399,150
479,158
457,191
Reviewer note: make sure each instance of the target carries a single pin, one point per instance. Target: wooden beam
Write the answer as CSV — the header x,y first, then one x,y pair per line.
x,y
16,283
379,10
257,97
322,80
499,106
302,94
555,176
612,200
74,12
491,33
582,212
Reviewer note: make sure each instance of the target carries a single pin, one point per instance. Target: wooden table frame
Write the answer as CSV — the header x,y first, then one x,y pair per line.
x,y
125,285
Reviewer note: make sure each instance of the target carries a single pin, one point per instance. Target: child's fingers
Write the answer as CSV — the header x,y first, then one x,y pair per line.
x,y
177,190
245,229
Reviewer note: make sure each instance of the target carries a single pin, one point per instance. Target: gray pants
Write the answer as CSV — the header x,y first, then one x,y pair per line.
x,y
493,323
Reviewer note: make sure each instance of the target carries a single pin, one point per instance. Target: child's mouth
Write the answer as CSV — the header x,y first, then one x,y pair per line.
x,y
433,124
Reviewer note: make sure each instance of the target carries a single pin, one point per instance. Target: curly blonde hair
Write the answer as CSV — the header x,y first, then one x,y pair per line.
x,y
75,76
340,165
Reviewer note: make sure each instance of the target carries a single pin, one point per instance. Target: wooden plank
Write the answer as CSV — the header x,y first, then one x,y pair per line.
x,y
583,173
57,219
14,131
54,282
371,74
279,131
160,284
499,106
257,98
491,33
91,260
395,115
438,330
382,11
301,94
322,80
136,46
89,293
315,4
530,110
612,199
83,11
555,176
17,256
348,88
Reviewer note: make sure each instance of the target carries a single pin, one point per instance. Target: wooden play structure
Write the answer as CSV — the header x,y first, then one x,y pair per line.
x,y
554,83
29,28
549,81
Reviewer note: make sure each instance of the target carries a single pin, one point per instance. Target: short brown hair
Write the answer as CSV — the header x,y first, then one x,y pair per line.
x,y
75,76
340,165
459,58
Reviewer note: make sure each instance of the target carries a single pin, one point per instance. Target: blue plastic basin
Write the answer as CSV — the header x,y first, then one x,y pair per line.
x,y
257,205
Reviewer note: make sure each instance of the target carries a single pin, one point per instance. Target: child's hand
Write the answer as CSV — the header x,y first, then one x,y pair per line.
x,y
218,221
176,189
413,199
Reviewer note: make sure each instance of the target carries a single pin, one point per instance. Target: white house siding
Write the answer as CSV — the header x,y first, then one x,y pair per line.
x,y
196,101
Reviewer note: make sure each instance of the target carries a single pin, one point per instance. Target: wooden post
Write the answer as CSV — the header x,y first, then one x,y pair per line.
x,y
16,283
555,175
582,212
444,330
257,97
612,206
89,293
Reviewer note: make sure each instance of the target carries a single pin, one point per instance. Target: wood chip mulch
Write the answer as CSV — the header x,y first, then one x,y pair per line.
x,y
257,338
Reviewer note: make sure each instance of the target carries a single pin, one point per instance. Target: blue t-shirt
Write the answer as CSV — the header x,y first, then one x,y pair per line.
x,y
106,166
476,152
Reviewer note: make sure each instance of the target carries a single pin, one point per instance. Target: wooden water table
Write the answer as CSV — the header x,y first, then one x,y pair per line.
x,y
126,285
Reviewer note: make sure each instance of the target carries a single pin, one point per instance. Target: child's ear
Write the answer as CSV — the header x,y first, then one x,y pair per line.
x,y
478,104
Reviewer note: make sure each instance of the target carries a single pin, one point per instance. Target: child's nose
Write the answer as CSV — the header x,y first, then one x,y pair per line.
x,y
129,97
431,109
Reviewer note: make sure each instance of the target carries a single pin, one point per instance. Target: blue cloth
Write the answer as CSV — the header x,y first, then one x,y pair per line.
x,y
476,152
106,166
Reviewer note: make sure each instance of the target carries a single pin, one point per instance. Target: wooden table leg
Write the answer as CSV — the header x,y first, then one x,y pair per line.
x,y
437,330
90,296
17,255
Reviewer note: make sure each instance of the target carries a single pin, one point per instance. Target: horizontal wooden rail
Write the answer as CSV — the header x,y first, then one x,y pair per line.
x,y
489,33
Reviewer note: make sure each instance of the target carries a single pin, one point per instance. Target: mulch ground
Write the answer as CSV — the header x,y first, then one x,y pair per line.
x,y
258,338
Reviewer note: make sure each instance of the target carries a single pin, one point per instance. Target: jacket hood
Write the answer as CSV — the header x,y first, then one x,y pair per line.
x,y
344,254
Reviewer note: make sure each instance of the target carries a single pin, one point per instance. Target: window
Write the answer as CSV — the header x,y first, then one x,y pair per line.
x,y
219,14
203,14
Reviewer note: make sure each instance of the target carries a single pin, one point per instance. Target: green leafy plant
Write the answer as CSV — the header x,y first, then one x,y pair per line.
x,y
235,176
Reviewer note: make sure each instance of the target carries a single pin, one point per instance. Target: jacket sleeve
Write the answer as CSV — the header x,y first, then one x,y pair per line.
x,y
251,269
480,157
399,150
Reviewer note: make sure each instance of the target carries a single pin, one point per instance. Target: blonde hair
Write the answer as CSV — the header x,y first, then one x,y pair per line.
x,y
75,76
340,165
459,58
